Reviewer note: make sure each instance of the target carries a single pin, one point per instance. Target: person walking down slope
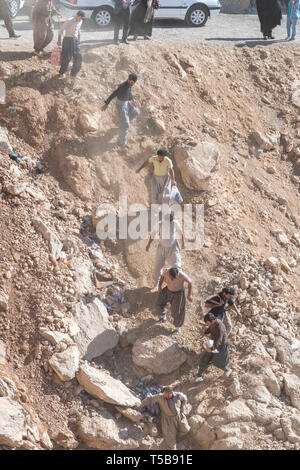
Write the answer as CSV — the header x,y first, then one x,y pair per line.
x,y
168,251
125,110
217,305
5,15
173,293
163,177
269,14
173,419
43,28
122,15
292,19
70,45
219,354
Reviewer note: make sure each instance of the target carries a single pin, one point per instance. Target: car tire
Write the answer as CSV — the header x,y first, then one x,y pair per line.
x,y
102,17
197,16
14,6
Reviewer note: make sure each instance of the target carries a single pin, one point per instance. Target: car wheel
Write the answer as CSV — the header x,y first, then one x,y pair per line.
x,y
14,6
102,17
197,16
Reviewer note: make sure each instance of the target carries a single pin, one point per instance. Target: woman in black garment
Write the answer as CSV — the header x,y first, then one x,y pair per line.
x,y
142,19
269,13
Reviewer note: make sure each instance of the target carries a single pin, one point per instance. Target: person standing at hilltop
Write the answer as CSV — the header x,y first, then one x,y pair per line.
x,y
5,15
43,28
125,110
142,19
163,177
269,14
292,19
70,45
122,15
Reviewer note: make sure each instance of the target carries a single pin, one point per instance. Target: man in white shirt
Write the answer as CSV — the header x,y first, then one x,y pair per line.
x,y
168,250
70,44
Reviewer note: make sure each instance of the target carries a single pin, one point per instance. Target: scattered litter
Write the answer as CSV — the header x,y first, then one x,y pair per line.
x,y
117,301
97,254
14,155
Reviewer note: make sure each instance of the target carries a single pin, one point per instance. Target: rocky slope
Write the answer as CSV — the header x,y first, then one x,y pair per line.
x,y
71,364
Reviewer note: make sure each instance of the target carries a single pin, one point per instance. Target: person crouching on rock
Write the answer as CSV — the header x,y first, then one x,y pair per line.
x,y
219,354
173,419
125,110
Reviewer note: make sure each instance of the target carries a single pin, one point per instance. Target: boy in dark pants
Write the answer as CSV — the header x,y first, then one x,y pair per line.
x,y
122,14
70,45
5,15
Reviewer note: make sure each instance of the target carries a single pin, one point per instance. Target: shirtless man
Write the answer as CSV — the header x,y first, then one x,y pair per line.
x,y
173,293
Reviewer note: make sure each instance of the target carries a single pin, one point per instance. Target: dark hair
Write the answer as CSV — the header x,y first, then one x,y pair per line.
x,y
133,77
80,13
228,290
169,217
162,152
173,272
167,389
209,317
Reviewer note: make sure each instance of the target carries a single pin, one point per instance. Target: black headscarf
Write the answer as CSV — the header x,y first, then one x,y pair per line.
x,y
269,13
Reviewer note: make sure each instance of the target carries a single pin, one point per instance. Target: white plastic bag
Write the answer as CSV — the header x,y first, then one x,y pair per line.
x,y
176,196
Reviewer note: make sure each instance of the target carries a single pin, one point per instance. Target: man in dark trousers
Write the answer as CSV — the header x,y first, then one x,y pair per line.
x,y
122,14
126,111
219,354
70,45
217,305
6,16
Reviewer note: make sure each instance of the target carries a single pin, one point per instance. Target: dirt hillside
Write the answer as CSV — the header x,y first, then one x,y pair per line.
x,y
245,101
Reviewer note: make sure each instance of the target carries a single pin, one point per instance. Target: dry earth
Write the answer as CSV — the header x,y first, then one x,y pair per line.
x,y
192,95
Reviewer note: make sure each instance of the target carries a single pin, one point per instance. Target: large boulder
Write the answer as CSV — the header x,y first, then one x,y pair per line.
x,y
160,355
289,353
82,269
54,242
262,413
3,301
292,389
5,146
12,422
198,165
2,352
237,411
229,443
104,433
55,337
201,433
96,334
66,363
101,385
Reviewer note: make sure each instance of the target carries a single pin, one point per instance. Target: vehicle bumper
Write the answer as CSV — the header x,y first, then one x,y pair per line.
x,y
214,11
69,6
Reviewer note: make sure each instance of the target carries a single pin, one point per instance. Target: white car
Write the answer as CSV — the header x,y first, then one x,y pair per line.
x,y
192,12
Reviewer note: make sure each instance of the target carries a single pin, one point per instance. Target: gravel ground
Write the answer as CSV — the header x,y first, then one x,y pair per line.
x,y
225,29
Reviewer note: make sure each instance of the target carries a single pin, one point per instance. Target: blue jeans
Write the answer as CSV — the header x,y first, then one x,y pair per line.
x,y
70,49
291,24
126,112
